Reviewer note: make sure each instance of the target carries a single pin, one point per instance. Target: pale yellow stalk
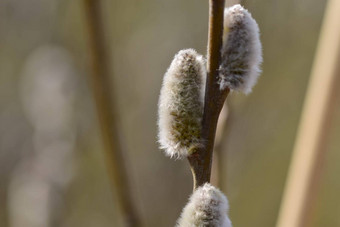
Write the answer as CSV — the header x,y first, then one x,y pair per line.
x,y
305,170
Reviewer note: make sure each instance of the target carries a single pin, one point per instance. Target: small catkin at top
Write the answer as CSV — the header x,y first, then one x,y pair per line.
x,y
241,51
180,106
207,206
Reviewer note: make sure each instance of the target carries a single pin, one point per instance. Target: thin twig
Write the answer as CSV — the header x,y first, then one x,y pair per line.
x,y
218,170
311,145
200,161
102,87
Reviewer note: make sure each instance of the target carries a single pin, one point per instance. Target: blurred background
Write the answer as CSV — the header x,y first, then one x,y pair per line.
x,y
52,164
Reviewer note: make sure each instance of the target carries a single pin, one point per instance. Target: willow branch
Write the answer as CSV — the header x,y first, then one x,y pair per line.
x,y
102,87
200,161
311,145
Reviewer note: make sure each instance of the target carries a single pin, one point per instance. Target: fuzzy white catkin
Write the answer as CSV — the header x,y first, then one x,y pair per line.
x,y
180,106
241,51
207,207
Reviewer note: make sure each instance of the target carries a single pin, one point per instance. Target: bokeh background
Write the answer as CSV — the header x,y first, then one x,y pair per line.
x,y
52,167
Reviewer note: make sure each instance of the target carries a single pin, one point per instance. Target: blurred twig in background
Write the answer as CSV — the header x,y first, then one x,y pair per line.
x,y
217,171
311,145
107,114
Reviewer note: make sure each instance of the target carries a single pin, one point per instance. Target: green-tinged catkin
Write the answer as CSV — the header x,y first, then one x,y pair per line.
x,y
181,104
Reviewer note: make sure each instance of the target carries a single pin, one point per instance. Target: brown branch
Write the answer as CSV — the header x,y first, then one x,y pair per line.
x,y
218,175
102,87
200,161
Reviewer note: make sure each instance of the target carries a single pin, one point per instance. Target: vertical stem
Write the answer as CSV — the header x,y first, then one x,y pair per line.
x,y
311,145
200,161
102,87
218,170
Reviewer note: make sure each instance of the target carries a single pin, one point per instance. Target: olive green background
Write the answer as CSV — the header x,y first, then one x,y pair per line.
x,y
143,36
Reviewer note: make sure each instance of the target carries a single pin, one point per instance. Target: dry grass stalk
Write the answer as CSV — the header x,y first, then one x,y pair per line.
x,y
311,145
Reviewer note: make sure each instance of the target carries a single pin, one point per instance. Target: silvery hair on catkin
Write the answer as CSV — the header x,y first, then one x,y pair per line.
x,y
241,51
180,106
207,206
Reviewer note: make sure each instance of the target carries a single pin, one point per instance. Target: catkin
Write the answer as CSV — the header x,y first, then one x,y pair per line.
x,y
207,206
181,104
241,51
